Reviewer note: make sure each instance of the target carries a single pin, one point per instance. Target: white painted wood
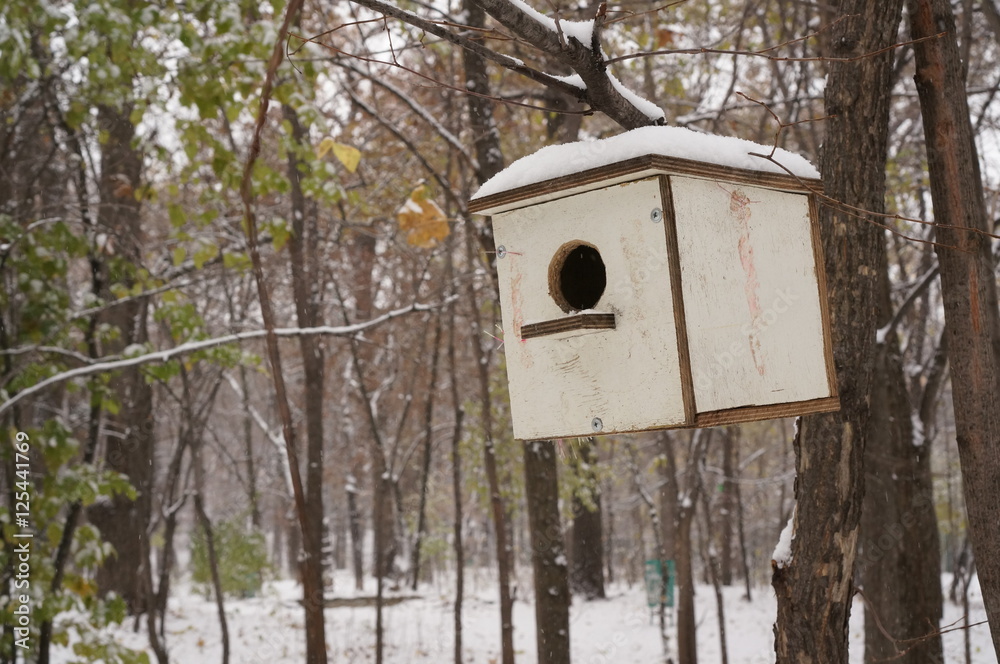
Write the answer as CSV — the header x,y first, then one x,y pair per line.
x,y
629,377
571,191
751,300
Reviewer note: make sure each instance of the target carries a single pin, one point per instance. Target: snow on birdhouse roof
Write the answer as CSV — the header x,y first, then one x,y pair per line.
x,y
557,161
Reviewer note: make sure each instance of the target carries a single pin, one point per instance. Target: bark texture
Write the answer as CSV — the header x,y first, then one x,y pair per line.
x,y
587,571
968,283
129,448
814,588
303,246
899,555
548,559
489,157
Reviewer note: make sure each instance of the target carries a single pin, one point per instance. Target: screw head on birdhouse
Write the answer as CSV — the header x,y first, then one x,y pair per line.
x,y
643,289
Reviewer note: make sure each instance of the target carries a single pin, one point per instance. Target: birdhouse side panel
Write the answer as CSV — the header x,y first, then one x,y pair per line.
x,y
751,295
581,382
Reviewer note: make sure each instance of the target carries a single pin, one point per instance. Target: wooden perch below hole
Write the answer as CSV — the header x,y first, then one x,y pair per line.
x,y
568,324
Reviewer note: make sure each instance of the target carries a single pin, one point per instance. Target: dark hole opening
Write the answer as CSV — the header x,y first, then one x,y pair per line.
x,y
582,278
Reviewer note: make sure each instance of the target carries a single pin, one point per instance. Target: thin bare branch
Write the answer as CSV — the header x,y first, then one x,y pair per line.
x,y
206,344
435,28
764,54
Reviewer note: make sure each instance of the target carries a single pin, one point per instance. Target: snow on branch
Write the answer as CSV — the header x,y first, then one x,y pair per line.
x,y
586,58
575,44
205,344
460,39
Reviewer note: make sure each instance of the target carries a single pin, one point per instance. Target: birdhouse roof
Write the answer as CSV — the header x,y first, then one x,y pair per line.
x,y
561,170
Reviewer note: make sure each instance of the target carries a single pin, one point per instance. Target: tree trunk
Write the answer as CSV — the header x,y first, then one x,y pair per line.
x,y
815,587
456,462
968,283
489,157
587,574
213,564
383,520
687,644
248,451
121,521
668,496
684,504
609,530
426,465
740,520
899,555
357,533
713,565
548,559
306,288
727,507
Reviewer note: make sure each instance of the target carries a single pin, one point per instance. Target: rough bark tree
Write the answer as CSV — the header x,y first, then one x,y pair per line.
x,y
129,448
489,157
548,558
458,409
656,521
587,560
687,506
307,279
426,462
712,564
968,281
727,508
814,588
899,563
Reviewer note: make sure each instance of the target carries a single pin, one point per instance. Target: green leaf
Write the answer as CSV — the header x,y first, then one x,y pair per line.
x,y
279,234
177,216
205,253
236,260
179,254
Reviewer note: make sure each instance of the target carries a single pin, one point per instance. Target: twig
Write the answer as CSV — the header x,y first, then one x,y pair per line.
x,y
765,55
781,125
915,641
204,344
250,228
434,28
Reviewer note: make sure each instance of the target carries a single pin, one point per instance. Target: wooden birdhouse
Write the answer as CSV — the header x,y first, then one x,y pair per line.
x,y
642,289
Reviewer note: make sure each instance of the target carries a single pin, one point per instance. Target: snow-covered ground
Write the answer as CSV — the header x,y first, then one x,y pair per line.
x,y
269,628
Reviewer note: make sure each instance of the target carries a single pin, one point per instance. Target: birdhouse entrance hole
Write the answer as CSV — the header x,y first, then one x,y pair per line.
x,y
577,276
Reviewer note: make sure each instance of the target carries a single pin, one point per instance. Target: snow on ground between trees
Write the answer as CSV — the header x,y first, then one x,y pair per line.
x,y
269,629
556,161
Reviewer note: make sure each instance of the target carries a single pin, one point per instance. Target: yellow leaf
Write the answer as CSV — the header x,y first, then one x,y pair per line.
x,y
422,219
324,147
349,156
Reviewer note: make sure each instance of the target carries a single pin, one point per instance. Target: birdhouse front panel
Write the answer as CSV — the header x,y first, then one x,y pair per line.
x,y
751,294
590,332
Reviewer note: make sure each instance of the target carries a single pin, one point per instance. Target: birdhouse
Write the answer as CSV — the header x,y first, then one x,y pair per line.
x,y
643,289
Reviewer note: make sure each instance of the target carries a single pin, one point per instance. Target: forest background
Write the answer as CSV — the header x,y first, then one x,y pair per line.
x,y
178,177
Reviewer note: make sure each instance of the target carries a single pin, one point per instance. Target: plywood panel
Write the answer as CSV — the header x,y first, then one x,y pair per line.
x,y
750,289
628,377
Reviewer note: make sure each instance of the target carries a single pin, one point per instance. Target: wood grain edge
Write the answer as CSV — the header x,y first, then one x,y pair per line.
x,y
568,324
677,296
770,412
819,258
728,416
667,165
